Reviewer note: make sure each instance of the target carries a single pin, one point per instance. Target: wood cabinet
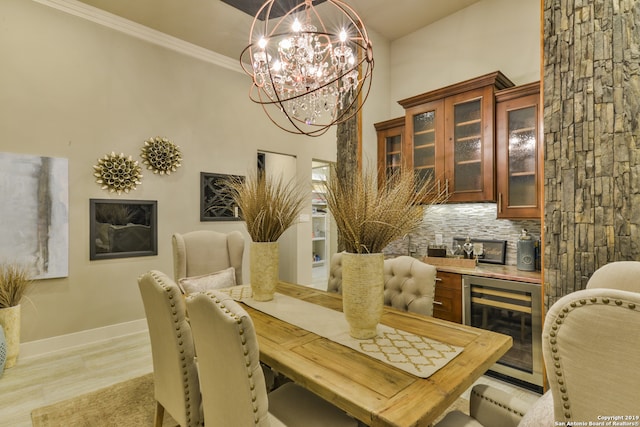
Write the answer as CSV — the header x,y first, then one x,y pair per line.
x,y
390,145
518,152
447,303
449,137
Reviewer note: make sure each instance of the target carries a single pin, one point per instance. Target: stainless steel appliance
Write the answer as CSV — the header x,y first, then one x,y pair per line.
x,y
511,308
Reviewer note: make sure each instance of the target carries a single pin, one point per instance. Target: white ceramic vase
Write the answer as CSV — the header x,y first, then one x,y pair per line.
x,y
10,321
362,292
264,259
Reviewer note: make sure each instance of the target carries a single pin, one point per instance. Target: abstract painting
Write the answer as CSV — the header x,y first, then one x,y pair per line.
x,y
34,213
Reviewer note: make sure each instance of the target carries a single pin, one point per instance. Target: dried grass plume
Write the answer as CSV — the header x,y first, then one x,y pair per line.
x,y
268,205
15,279
369,217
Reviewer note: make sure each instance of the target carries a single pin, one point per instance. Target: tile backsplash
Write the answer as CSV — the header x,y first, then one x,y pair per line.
x,y
477,220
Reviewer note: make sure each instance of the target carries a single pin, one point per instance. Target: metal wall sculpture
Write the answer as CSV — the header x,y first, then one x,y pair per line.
x,y
216,203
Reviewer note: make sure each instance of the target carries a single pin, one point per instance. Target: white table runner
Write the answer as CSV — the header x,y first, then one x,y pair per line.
x,y
412,353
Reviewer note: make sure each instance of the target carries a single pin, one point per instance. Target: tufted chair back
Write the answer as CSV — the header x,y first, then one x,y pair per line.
x,y
175,374
409,284
233,384
335,274
205,251
623,275
591,341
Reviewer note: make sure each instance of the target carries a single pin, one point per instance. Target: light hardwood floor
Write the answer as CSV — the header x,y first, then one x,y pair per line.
x,y
39,381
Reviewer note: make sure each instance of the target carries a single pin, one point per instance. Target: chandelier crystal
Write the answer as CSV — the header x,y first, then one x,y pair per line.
x,y
307,76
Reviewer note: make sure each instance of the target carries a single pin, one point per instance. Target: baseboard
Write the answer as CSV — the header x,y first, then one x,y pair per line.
x,y
64,342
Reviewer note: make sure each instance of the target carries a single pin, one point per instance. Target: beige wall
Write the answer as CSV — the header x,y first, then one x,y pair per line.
x,y
487,36
72,88
376,108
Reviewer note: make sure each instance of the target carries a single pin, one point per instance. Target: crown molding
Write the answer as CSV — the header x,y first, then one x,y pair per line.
x,y
101,17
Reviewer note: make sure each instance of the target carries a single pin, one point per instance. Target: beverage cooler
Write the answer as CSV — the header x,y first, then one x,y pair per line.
x,y
510,308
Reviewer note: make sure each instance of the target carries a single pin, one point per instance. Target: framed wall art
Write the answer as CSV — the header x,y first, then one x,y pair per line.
x,y
493,251
123,228
216,203
34,208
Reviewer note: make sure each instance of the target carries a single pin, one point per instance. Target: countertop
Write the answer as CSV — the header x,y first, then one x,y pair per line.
x,y
496,271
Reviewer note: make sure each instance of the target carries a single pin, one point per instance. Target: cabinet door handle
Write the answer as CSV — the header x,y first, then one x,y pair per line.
x,y
437,302
438,279
446,186
500,202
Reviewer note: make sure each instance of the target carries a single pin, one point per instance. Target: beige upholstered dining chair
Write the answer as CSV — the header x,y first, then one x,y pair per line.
x,y
201,252
622,275
233,385
335,274
409,284
175,374
590,342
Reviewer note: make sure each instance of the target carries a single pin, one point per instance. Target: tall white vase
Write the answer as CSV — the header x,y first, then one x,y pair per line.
x,y
264,258
10,321
363,292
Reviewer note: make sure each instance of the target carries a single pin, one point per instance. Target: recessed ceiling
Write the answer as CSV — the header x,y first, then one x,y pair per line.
x,y
280,7
217,26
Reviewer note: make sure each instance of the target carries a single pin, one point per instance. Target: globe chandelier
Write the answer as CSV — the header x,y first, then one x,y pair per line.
x,y
306,74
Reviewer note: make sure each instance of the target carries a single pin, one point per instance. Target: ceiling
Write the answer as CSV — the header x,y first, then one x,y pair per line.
x,y
216,26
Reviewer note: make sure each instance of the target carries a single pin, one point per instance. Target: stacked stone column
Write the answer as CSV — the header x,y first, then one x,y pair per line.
x,y
591,138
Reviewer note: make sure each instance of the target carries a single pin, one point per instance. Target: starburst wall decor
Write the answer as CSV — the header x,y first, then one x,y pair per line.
x,y
118,173
161,155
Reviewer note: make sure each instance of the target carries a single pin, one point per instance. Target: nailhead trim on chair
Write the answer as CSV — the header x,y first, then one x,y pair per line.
x,y
176,321
554,349
240,322
500,404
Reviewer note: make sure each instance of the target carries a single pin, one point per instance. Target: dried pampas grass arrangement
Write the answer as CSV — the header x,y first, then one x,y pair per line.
x,y
14,282
268,205
369,217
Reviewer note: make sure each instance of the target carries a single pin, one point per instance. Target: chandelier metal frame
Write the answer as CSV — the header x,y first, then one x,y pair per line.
x,y
306,77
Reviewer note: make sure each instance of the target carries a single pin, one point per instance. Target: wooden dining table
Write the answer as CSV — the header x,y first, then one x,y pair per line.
x,y
370,390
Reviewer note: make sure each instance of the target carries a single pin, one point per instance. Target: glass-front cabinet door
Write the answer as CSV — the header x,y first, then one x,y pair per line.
x,y
394,153
425,125
518,118
390,146
469,145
